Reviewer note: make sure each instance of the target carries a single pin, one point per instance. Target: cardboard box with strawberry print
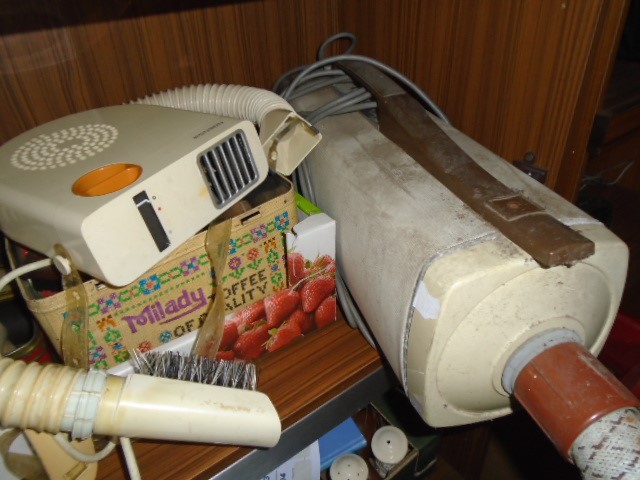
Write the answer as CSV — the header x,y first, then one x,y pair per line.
x,y
308,303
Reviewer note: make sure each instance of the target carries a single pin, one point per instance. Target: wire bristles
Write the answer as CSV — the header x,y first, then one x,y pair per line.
x,y
195,368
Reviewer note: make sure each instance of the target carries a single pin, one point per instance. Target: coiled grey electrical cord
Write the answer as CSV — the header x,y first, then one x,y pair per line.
x,y
353,40
329,77
348,99
308,79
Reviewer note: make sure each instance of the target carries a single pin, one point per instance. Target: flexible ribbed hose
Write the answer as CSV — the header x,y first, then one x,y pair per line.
x,y
56,398
238,101
285,136
34,396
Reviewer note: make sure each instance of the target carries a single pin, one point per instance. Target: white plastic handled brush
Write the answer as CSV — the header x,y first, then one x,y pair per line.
x,y
55,398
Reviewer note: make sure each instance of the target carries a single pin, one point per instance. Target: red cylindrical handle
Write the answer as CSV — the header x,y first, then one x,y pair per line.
x,y
565,389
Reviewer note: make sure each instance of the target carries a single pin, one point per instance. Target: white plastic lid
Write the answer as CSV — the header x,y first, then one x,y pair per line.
x,y
389,444
349,467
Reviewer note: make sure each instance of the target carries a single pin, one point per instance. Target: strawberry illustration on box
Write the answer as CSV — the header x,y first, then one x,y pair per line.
x,y
308,303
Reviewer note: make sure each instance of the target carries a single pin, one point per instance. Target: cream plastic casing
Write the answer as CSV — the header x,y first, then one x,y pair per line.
x,y
106,235
445,294
474,307
57,398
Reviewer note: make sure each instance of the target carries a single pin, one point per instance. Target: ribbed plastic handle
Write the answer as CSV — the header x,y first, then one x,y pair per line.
x,y
164,409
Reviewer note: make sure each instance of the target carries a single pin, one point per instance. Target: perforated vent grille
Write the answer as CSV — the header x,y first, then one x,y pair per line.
x,y
230,168
64,147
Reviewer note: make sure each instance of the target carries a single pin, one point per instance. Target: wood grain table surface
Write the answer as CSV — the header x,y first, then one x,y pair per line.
x,y
298,379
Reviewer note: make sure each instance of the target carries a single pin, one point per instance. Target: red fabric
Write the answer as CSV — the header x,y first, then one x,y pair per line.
x,y
621,351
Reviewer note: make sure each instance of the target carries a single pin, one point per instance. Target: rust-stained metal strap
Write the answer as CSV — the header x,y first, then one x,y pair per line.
x,y
406,122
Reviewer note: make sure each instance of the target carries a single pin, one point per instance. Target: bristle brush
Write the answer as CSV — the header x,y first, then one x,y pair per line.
x,y
196,368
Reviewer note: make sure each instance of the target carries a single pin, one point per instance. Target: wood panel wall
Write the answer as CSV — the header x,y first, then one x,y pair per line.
x,y
517,76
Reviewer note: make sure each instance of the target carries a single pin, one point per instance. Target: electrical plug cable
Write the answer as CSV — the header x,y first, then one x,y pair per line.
x,y
23,270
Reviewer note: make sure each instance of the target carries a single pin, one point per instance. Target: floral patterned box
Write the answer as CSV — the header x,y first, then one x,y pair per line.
x,y
308,303
172,298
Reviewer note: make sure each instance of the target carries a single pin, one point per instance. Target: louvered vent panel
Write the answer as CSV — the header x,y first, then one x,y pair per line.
x,y
229,168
